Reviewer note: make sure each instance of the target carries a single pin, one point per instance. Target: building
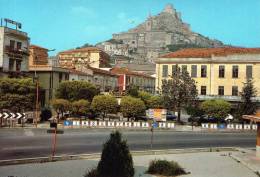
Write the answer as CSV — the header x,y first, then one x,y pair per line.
x,y
84,57
104,80
48,72
13,50
218,72
77,75
129,78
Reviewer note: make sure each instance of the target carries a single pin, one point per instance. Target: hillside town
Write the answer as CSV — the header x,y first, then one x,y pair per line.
x,y
158,77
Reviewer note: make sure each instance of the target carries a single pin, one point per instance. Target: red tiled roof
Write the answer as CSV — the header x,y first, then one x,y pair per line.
x,y
126,71
36,47
101,71
78,72
86,49
208,52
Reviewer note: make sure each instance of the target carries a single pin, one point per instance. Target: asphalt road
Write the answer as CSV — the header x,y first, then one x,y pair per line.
x,y
25,143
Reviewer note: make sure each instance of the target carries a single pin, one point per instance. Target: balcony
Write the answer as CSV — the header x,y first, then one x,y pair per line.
x,y
16,52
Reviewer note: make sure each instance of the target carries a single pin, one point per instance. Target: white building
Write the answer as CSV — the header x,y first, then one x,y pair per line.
x,y
14,51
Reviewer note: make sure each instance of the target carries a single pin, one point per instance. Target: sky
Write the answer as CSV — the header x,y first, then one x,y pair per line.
x,y
66,24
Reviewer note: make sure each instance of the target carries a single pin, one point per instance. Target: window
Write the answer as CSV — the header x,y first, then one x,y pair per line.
x,y
60,77
234,91
221,71
174,70
12,43
19,45
184,68
220,90
249,69
193,70
11,64
203,90
165,71
18,65
203,70
235,71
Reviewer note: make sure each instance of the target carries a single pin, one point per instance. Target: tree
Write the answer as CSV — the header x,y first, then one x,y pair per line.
x,y
17,95
247,106
216,108
179,91
76,90
132,90
104,104
80,107
60,106
116,160
132,107
150,101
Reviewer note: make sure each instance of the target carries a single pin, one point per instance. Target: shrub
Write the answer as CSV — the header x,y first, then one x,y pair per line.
x,y
166,168
132,107
45,114
80,107
216,108
104,104
92,173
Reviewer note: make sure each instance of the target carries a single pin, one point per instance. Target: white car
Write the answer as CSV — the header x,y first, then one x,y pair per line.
x,y
229,118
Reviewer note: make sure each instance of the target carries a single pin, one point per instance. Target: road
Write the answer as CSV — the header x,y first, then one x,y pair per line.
x,y
25,143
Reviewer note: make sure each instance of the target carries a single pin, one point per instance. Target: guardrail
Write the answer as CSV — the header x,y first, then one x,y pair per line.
x,y
118,124
229,126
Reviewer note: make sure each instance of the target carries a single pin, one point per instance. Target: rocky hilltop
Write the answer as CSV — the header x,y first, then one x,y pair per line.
x,y
158,34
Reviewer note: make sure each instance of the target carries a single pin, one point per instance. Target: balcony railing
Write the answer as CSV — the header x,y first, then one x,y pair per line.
x,y
15,51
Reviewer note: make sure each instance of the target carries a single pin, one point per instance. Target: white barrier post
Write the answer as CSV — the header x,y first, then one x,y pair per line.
x,y
128,124
76,123
254,127
145,124
102,124
119,124
239,126
230,126
247,127
204,125
162,125
93,123
110,124
170,125
84,123
137,124
213,126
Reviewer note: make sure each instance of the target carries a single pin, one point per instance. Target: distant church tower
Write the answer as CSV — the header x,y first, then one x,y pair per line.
x,y
149,22
169,9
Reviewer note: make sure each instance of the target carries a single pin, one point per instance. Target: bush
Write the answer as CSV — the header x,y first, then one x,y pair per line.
x,y
132,107
166,168
104,104
45,114
216,108
116,160
80,107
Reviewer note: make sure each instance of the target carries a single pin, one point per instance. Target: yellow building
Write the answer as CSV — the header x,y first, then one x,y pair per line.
x,y
218,72
84,57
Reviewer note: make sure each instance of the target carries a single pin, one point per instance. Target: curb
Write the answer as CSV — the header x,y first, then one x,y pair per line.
x,y
97,155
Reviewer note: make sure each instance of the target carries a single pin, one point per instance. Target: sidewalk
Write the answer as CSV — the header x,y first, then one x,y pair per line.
x,y
200,164
248,158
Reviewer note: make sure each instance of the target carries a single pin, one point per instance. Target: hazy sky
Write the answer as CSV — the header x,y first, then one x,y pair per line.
x,y
65,24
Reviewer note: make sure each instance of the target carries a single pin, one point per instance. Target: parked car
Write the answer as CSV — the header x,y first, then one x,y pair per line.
x,y
170,116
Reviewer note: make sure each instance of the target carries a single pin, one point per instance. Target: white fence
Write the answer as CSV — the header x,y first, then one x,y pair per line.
x,y
229,126
118,124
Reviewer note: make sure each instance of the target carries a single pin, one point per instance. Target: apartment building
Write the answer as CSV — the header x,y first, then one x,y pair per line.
x,y
218,72
127,78
84,57
13,49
